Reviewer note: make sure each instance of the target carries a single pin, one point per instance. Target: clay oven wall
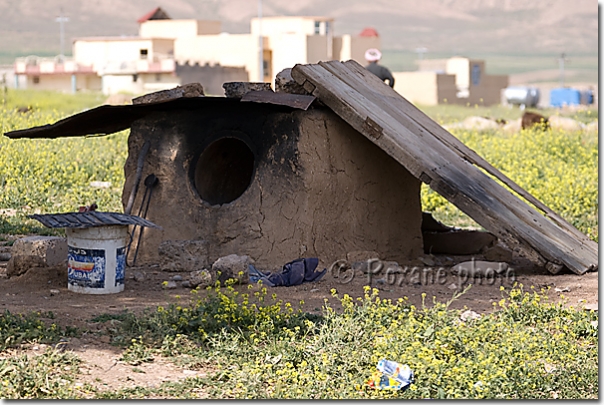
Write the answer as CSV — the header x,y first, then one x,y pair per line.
x,y
274,184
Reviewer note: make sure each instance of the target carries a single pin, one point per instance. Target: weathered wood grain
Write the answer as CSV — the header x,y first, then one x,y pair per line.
x,y
450,168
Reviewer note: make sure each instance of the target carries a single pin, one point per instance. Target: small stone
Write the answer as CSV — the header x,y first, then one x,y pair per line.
x,y
200,278
185,284
591,307
479,268
35,348
54,292
452,286
139,276
177,277
189,372
469,315
314,290
428,261
170,285
562,289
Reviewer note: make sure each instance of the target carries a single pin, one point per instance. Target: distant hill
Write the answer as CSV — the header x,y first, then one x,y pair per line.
x,y
442,26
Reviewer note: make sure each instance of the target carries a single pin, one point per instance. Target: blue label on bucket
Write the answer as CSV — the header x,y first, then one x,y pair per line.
x,y
86,267
121,266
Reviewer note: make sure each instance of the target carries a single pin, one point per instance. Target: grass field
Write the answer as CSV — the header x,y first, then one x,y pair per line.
x,y
253,346
256,347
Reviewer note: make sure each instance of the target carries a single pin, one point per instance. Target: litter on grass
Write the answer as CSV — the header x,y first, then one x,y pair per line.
x,y
391,375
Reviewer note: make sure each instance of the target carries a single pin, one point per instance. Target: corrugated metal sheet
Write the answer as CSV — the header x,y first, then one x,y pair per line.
x,y
291,100
108,119
91,219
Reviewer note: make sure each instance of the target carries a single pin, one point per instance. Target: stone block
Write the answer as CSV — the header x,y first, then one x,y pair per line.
x,y
239,89
187,90
183,255
36,251
284,83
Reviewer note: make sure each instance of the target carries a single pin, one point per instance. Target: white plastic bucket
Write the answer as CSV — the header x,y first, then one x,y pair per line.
x,y
96,259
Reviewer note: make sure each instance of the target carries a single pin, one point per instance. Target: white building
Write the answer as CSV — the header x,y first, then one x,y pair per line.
x,y
150,61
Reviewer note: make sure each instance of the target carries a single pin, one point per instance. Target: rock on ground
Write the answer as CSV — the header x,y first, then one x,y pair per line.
x,y
513,126
565,123
200,278
36,251
230,267
480,123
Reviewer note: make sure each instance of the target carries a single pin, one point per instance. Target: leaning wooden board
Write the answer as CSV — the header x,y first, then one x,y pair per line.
x,y
452,169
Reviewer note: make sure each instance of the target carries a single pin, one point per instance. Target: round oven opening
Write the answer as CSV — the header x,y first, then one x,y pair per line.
x,y
224,171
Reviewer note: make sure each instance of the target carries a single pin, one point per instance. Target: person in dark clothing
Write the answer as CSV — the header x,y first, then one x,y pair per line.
x,y
373,56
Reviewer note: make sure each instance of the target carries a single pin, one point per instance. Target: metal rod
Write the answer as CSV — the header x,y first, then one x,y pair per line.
x,y
137,179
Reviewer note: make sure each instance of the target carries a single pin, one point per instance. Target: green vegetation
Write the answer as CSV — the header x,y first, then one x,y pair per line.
x,y
35,327
560,169
253,346
54,175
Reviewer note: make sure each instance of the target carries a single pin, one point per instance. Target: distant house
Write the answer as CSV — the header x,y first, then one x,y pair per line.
x,y
456,80
168,52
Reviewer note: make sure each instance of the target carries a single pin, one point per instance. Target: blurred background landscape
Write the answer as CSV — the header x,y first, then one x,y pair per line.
x,y
522,39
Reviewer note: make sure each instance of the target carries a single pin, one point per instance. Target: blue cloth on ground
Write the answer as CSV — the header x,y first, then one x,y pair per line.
x,y
293,273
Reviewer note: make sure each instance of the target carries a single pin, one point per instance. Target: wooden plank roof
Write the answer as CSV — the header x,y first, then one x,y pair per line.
x,y
449,167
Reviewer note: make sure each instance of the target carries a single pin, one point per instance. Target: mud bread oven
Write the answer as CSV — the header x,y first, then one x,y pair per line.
x,y
269,181
329,165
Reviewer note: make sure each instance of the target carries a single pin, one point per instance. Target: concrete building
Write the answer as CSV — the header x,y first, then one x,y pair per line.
x,y
456,80
165,48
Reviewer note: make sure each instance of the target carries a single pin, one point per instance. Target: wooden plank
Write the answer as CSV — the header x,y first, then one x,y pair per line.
x,y
403,105
350,74
358,84
539,218
456,179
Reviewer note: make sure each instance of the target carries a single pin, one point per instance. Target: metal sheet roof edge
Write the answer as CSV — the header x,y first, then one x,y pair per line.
x,y
109,119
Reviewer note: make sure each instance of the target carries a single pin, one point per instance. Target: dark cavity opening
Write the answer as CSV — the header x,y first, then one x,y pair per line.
x,y
224,171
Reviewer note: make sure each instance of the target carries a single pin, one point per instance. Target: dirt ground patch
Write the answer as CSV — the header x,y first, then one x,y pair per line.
x,y
101,365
